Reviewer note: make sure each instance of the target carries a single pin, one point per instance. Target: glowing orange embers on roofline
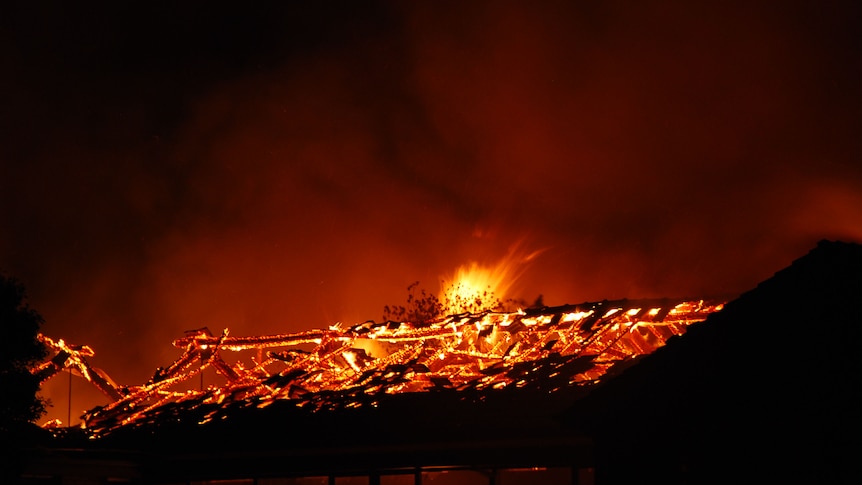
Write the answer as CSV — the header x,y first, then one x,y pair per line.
x,y
546,349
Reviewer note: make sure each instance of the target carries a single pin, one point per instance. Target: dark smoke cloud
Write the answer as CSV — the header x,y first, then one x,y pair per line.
x,y
286,167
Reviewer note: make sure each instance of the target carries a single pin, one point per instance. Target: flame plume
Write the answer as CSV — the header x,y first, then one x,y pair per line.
x,y
475,288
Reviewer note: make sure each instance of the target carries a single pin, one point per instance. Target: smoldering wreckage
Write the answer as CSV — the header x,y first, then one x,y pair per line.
x,y
571,345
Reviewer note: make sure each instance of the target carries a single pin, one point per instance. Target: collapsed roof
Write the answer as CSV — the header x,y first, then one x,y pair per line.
x,y
551,349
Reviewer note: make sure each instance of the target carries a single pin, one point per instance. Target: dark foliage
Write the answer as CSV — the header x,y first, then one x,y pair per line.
x,y
424,307
19,351
420,308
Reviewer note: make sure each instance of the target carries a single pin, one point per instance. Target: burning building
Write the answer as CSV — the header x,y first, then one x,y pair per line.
x,y
682,390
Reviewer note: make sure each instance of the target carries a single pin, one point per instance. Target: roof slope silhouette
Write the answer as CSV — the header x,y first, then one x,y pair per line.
x,y
768,387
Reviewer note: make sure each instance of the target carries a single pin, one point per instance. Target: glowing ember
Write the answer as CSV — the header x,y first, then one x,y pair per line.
x,y
546,349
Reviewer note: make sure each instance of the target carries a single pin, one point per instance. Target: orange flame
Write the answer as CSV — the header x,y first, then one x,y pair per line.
x,y
476,288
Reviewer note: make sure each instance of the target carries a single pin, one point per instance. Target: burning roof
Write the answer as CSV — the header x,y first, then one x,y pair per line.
x,y
548,349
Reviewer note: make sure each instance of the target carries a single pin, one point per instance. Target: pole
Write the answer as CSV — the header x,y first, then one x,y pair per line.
x,y
69,415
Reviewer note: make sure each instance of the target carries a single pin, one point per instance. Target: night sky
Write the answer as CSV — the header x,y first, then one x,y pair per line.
x,y
280,167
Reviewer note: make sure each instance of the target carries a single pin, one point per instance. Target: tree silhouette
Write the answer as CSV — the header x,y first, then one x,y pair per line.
x,y
420,308
19,351
423,307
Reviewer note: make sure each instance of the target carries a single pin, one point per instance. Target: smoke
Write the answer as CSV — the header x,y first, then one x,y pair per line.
x,y
289,167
